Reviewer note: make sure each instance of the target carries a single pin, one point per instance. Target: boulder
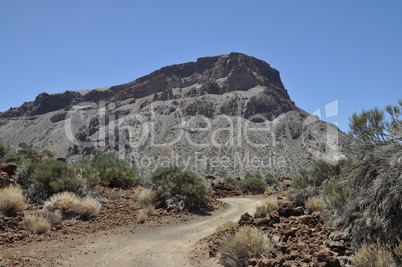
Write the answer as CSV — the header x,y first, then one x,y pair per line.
x,y
8,168
246,219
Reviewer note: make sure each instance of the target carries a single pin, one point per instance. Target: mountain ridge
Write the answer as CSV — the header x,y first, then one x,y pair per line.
x,y
226,107
50,102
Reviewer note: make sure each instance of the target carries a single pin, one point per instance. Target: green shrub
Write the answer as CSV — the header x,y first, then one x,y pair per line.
x,y
56,176
337,195
89,174
248,243
253,175
13,158
179,183
271,180
253,185
28,152
115,172
323,171
374,127
231,181
3,150
46,154
301,180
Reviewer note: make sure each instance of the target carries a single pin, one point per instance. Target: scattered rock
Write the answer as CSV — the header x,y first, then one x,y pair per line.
x,y
225,190
7,170
246,219
337,247
286,209
212,252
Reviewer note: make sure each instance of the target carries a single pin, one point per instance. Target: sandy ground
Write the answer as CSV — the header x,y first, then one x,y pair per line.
x,y
172,244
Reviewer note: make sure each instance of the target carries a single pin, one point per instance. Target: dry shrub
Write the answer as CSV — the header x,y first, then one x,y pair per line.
x,y
71,205
270,191
146,197
248,243
29,222
87,207
137,190
226,225
142,216
269,204
398,249
37,225
313,204
374,254
65,202
12,200
6,254
53,217
149,210
42,226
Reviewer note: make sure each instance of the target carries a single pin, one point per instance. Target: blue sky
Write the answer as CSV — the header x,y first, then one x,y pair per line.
x,y
348,51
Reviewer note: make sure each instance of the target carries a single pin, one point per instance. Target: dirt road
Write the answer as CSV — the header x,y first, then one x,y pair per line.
x,y
167,245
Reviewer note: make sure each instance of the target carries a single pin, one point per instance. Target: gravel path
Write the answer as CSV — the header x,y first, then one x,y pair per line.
x,y
168,245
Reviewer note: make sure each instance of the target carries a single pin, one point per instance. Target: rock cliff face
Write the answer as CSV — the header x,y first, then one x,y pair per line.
x,y
224,114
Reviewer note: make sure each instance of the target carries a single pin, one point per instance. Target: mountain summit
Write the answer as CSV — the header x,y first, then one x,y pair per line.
x,y
225,114
210,75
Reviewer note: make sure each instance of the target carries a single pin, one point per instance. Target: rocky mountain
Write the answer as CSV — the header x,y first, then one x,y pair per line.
x,y
222,115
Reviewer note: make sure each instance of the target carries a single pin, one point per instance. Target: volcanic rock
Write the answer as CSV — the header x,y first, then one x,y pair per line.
x,y
223,115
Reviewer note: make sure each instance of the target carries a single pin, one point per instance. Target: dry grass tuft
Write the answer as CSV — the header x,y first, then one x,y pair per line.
x,y
29,222
6,254
248,243
87,207
270,191
149,210
37,225
313,204
142,216
65,202
226,225
270,204
54,217
12,200
42,226
398,249
68,204
374,254
146,197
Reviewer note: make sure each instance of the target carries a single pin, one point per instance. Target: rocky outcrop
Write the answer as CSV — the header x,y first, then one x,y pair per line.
x,y
214,75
